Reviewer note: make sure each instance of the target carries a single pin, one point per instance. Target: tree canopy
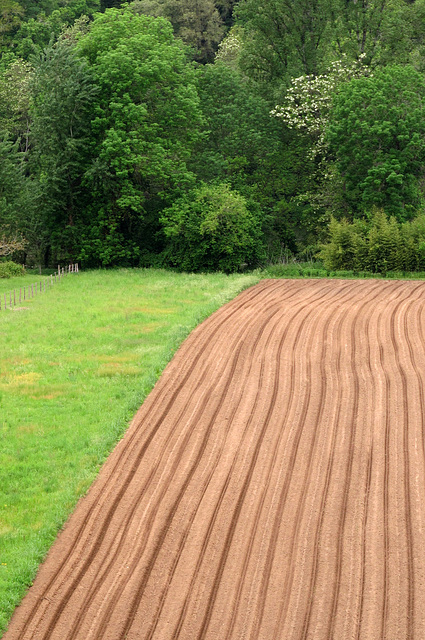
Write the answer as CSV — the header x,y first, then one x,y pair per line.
x,y
145,133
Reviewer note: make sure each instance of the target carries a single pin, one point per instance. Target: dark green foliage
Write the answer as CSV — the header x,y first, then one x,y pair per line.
x,y
15,194
212,229
63,99
238,138
107,120
225,8
242,145
45,25
378,245
15,97
196,22
377,133
284,38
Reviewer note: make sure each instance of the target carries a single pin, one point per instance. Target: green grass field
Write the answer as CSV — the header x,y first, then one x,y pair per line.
x,y
75,364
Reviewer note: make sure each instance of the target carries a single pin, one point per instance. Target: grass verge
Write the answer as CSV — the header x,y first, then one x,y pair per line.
x,y
76,362
316,270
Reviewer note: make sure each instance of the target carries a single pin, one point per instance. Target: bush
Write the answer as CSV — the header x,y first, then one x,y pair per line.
x,y
212,229
10,269
377,245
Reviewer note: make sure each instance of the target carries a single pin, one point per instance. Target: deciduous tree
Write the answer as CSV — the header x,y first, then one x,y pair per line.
x,y
196,22
377,134
146,122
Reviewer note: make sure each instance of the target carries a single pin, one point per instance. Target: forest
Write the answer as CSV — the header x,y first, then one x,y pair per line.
x,y
211,135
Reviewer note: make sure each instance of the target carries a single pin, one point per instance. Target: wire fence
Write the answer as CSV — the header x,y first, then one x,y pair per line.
x,y
18,296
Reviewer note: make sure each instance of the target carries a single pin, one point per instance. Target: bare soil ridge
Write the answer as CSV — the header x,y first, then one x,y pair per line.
x,y
272,486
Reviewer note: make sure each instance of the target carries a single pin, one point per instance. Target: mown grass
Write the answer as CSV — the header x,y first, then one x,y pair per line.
x,y
75,364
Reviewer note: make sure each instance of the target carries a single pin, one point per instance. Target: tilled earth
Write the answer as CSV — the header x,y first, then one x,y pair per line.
x,y
271,487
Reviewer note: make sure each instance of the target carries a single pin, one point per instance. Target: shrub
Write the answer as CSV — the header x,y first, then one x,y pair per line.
x,y
378,245
212,229
10,269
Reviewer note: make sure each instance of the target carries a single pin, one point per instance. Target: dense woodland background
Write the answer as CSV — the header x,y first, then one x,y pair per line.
x,y
213,135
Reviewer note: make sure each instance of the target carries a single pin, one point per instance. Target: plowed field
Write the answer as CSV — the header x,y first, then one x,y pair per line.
x,y
271,487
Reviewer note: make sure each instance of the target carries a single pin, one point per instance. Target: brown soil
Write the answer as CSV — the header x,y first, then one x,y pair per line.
x,y
271,487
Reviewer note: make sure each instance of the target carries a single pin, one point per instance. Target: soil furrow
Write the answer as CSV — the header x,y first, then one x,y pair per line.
x,y
270,487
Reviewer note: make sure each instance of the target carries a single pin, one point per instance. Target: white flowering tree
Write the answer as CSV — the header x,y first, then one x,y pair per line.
x,y
9,245
309,99
230,48
306,109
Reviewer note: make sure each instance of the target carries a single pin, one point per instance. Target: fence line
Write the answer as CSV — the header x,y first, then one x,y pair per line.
x,y
29,291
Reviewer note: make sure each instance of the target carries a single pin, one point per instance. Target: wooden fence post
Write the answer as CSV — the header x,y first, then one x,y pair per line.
x,y
14,297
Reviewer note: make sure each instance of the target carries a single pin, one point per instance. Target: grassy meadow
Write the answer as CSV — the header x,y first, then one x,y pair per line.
x,y
75,364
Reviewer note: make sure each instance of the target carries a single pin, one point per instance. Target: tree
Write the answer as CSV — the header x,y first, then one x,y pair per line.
x,y
9,245
230,48
196,22
284,38
211,229
146,120
35,33
63,98
11,14
15,196
377,134
15,96
239,137
243,146
308,101
225,8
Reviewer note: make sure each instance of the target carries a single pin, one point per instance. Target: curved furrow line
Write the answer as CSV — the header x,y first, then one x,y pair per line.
x,y
385,489
364,528
372,383
211,472
348,477
113,555
222,492
84,568
125,453
245,430
406,422
324,498
241,582
282,500
133,470
289,578
388,384
420,325
163,533
238,509
290,396
420,378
